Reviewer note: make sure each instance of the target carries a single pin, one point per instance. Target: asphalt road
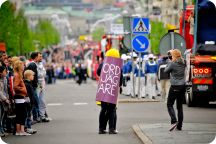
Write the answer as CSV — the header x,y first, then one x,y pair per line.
x,y
75,117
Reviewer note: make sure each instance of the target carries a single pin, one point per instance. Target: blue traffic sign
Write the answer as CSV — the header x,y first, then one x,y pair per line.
x,y
140,26
140,43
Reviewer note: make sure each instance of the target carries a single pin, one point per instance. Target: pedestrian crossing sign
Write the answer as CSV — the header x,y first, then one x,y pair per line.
x,y
140,26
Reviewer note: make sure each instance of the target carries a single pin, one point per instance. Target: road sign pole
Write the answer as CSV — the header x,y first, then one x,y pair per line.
x,y
133,81
172,40
139,43
139,95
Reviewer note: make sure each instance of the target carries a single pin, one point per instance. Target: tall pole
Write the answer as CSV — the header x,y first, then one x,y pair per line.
x,y
195,27
183,18
139,68
132,55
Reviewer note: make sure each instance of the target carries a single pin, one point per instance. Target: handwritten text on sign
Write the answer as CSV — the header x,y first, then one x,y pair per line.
x,y
109,80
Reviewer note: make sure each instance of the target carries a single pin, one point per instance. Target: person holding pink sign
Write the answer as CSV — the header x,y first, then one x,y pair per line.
x,y
108,90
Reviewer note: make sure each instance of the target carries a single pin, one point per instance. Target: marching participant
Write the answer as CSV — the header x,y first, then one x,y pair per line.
x,y
124,70
151,68
142,78
131,72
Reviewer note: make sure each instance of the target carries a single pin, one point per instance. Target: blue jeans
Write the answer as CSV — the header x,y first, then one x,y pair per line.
x,y
35,108
42,103
28,122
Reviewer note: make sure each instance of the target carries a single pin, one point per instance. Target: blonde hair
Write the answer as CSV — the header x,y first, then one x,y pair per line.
x,y
18,67
14,59
176,54
28,73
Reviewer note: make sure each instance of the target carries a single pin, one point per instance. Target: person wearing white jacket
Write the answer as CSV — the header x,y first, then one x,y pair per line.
x,y
40,90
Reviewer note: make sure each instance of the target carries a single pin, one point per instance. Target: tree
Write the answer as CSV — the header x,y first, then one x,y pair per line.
x,y
17,36
7,18
14,30
157,31
25,43
46,34
98,33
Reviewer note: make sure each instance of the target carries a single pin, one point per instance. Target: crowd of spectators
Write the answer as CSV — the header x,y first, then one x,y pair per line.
x,y
22,99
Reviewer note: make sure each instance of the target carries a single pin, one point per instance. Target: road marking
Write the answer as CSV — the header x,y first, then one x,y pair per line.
x,y
80,103
54,104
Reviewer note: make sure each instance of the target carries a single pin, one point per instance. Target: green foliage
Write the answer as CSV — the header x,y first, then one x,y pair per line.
x,y
157,31
98,33
194,1
14,30
17,36
46,34
25,44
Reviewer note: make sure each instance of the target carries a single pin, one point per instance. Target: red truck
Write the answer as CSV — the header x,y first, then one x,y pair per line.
x,y
201,68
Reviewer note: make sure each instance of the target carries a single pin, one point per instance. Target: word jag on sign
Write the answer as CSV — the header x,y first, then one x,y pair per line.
x,y
109,79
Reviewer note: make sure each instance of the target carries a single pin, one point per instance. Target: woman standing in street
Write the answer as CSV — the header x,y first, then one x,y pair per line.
x,y
20,94
176,69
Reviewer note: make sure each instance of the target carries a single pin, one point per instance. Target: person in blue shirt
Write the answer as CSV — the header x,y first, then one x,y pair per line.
x,y
126,76
131,73
142,78
151,68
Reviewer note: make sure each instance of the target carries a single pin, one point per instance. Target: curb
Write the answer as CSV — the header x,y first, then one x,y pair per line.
x,y
136,100
145,139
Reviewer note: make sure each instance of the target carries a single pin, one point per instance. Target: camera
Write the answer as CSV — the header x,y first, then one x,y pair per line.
x,y
169,55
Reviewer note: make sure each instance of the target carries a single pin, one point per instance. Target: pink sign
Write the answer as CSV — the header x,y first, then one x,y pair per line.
x,y
108,86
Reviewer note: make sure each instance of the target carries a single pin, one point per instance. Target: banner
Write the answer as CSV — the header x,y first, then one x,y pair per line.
x,y
108,86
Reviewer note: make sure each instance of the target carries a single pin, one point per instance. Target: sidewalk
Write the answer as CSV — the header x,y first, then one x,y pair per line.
x,y
192,133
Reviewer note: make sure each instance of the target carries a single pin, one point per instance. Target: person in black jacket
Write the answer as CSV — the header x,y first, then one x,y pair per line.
x,y
36,57
79,74
176,69
29,76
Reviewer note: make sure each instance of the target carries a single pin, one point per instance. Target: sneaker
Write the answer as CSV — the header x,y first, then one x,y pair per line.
x,y
45,120
6,134
31,131
24,134
2,134
116,130
17,134
49,118
173,126
102,132
178,128
38,120
113,132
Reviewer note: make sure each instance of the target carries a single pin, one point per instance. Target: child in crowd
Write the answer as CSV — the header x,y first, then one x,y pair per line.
x,y
29,100
4,97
